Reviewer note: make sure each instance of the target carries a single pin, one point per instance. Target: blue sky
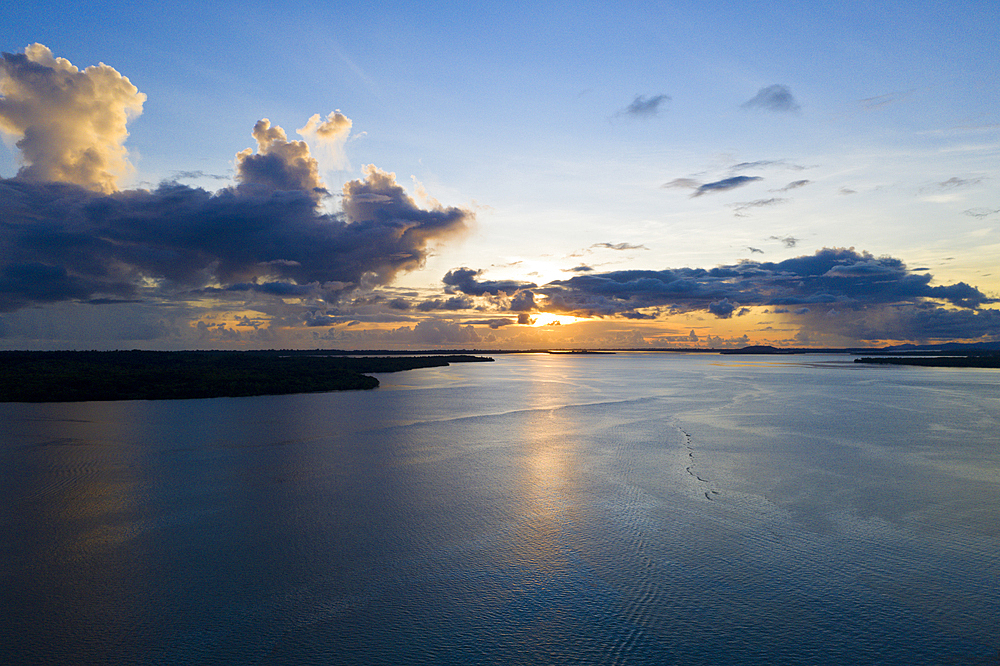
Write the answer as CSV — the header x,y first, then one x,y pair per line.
x,y
582,140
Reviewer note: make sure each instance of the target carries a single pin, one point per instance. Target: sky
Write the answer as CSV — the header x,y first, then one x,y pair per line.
x,y
570,175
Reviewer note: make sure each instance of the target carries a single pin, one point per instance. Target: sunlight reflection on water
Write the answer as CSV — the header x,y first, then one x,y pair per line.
x,y
634,508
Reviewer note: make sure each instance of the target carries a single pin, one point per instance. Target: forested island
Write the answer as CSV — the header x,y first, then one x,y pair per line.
x,y
74,376
984,360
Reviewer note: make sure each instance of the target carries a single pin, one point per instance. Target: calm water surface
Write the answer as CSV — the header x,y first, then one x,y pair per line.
x,y
626,509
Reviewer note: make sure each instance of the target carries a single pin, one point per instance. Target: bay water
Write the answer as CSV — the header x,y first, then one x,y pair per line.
x,y
635,508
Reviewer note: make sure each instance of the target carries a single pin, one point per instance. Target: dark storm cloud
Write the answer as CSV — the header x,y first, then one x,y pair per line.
x,y
839,277
643,106
464,280
775,97
725,184
62,242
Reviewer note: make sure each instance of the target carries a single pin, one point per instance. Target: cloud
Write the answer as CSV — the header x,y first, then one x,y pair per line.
x,y
279,165
195,175
722,309
775,97
758,164
497,322
523,301
329,137
682,183
787,241
453,303
841,277
725,184
920,323
434,332
884,100
69,233
794,185
619,246
955,182
643,106
981,212
70,125
740,208
64,242
464,280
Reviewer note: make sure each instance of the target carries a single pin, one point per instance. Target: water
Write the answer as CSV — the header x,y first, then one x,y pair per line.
x,y
626,509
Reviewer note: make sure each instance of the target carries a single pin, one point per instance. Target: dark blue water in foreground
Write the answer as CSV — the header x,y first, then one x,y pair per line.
x,y
627,509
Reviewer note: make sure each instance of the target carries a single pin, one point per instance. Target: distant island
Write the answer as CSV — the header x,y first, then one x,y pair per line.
x,y
991,360
75,376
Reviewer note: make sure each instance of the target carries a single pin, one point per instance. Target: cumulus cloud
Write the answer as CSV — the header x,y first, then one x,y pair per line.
x,y
465,280
434,332
523,301
840,277
452,304
643,106
724,185
70,125
329,137
69,236
279,165
67,243
722,309
775,97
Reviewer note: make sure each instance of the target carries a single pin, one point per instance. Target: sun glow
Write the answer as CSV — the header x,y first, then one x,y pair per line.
x,y
546,319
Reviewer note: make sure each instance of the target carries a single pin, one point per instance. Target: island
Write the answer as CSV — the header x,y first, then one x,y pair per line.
x,y
982,360
75,376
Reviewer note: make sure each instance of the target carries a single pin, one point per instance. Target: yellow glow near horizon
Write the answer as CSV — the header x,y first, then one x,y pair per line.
x,y
546,319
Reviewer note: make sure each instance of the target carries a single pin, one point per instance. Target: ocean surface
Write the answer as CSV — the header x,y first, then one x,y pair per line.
x,y
543,509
